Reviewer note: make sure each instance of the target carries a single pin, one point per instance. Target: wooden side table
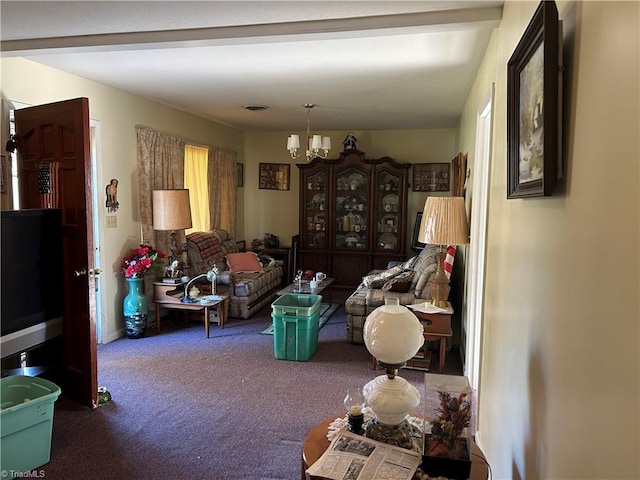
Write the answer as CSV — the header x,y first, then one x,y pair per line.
x,y
437,326
282,255
317,442
169,296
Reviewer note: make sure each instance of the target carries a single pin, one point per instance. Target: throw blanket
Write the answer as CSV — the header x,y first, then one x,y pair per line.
x,y
209,247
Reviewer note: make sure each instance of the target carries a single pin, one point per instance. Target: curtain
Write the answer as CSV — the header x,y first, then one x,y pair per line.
x,y
160,166
196,162
222,188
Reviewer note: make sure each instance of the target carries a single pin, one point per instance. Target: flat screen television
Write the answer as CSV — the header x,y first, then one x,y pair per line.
x,y
31,292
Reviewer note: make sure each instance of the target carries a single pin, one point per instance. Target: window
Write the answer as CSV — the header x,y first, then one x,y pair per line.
x,y
196,162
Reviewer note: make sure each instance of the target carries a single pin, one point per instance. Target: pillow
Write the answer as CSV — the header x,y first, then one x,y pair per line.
x,y
400,283
376,280
243,262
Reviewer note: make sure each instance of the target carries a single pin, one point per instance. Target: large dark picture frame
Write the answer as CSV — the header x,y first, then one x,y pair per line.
x,y
533,101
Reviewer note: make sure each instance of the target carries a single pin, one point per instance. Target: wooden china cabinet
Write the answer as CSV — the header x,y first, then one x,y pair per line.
x,y
353,214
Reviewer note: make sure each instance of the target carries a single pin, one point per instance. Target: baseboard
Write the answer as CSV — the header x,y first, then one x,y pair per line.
x,y
114,336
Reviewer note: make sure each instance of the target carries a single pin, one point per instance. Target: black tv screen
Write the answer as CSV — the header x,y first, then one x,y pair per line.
x,y
31,291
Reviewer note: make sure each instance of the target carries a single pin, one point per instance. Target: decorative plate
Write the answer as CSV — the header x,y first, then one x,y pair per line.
x,y
356,181
388,240
390,202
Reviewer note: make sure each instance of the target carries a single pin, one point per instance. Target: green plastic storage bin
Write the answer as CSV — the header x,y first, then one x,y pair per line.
x,y
296,305
295,338
26,422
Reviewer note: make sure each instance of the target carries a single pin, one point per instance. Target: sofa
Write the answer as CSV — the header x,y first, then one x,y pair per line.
x,y
250,285
370,293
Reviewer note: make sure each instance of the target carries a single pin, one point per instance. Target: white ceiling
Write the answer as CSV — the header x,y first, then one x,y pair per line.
x,y
366,65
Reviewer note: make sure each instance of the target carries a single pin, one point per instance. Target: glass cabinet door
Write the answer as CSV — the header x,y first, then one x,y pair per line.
x,y
387,211
316,210
352,208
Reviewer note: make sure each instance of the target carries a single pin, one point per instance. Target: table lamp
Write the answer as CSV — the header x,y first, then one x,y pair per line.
x,y
444,223
392,334
171,212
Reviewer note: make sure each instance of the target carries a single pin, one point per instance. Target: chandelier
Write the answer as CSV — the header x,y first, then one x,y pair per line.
x,y
315,143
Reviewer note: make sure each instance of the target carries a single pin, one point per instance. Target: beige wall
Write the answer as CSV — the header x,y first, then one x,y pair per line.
x,y
118,113
559,389
276,211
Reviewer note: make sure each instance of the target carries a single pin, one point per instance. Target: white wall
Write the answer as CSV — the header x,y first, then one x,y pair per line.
x,y
559,389
118,112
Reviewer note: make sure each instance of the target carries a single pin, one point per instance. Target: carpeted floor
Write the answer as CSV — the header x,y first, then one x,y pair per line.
x,y
218,408
326,309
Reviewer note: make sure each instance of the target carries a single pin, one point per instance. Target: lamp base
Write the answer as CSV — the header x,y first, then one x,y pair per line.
x,y
355,423
399,435
439,284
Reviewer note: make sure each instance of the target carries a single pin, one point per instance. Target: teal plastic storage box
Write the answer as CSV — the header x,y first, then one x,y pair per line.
x,y
295,338
296,305
26,422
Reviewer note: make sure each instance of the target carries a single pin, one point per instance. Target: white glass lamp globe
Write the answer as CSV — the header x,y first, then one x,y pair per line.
x,y
392,333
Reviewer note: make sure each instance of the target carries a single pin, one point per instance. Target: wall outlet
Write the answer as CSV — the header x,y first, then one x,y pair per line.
x,y
112,221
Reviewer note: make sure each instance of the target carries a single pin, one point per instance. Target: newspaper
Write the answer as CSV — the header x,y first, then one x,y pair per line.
x,y
354,457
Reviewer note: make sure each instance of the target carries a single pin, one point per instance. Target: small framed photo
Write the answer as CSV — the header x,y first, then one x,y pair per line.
x,y
533,107
274,176
240,175
431,177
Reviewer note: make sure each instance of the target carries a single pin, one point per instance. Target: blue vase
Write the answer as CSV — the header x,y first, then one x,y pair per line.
x,y
135,308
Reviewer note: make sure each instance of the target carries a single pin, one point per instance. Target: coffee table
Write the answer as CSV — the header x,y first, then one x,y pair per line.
x,y
293,288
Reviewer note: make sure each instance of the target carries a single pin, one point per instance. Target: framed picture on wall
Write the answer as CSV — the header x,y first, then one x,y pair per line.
x,y
431,177
415,244
240,175
273,176
533,107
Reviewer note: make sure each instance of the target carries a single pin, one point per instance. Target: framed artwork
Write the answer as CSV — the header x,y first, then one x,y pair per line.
x,y
415,244
240,175
273,176
431,177
533,103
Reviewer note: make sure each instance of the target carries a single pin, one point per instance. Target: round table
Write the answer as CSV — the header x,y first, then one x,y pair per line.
x,y
317,442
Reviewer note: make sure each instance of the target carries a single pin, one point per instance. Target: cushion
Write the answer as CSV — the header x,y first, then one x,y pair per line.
x,y
400,283
376,280
243,262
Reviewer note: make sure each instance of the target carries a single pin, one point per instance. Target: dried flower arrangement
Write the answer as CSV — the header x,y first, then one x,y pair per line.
x,y
454,415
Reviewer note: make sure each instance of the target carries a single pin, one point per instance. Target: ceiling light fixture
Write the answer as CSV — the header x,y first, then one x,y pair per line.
x,y
315,143
255,108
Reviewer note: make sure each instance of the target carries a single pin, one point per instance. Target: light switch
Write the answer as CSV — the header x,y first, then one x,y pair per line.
x,y
112,221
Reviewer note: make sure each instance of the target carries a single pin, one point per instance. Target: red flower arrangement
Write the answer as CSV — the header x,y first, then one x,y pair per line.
x,y
141,260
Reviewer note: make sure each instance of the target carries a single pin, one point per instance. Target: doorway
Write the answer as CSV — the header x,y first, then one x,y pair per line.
x,y
98,214
477,249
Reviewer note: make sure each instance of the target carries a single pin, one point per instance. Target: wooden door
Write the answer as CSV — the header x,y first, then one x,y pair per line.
x,y
55,172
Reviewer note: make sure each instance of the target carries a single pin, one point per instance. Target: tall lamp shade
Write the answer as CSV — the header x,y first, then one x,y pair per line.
x,y
171,212
444,222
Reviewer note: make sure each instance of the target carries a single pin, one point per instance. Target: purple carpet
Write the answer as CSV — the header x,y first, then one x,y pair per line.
x,y
184,406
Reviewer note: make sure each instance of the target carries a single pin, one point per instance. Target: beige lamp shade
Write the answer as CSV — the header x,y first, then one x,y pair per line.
x,y
171,209
444,222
